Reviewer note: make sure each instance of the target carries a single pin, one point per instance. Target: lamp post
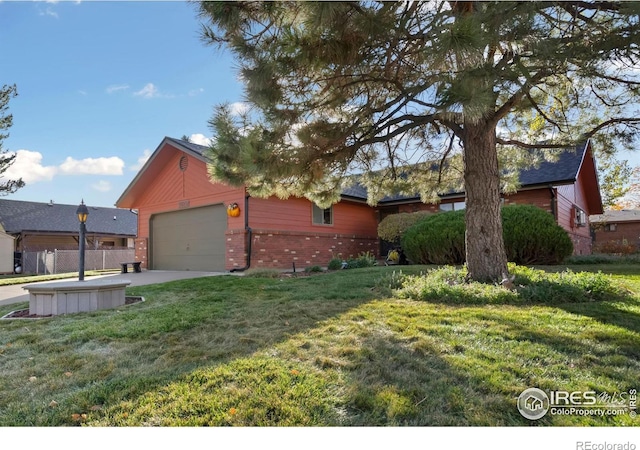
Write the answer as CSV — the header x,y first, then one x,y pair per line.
x,y
82,212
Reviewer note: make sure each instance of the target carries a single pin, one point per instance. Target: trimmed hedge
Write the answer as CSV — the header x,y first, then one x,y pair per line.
x,y
393,226
437,239
531,236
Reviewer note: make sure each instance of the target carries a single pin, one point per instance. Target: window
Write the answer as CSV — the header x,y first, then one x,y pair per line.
x,y
322,216
580,217
610,227
455,206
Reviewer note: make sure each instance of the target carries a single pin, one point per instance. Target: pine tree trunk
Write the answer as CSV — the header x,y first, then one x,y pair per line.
x,y
485,253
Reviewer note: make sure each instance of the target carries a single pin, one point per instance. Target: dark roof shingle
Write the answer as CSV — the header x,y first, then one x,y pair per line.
x,y
17,216
563,170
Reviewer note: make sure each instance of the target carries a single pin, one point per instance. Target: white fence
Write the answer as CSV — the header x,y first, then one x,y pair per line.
x,y
64,261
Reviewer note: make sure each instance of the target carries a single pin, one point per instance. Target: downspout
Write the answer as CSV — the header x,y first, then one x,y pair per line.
x,y
249,234
554,203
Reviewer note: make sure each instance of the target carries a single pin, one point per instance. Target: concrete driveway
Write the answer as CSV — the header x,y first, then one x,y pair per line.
x,y
16,294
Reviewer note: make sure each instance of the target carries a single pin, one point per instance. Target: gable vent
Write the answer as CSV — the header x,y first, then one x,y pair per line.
x,y
184,162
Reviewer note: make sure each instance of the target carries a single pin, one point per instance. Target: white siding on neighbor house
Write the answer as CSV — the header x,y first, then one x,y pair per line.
x,y
6,253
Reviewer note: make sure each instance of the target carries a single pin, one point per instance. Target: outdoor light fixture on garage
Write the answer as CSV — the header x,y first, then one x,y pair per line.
x,y
82,212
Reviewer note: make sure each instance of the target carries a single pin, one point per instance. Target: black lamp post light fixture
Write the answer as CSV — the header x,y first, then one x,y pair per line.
x,y
82,212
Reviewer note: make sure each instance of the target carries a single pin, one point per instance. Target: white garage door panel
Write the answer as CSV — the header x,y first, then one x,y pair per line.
x,y
190,239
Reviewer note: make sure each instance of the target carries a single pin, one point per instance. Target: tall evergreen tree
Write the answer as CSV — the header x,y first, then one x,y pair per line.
x,y
465,93
6,159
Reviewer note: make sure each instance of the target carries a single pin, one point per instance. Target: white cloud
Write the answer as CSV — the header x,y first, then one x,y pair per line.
x,y
92,166
28,166
48,12
238,108
200,139
143,159
148,91
194,92
117,87
102,186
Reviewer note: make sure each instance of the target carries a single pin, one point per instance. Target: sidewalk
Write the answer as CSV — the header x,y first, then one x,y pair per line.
x,y
16,294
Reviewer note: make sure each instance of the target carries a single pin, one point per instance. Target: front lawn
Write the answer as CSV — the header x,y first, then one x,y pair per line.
x,y
324,350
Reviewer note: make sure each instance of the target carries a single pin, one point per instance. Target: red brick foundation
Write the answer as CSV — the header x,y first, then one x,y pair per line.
x,y
283,249
582,245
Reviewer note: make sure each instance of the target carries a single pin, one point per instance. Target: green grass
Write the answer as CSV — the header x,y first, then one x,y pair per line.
x,y
325,350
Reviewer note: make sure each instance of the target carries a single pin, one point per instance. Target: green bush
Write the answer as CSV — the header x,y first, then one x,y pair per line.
x,y
448,285
531,236
366,259
393,226
335,264
437,239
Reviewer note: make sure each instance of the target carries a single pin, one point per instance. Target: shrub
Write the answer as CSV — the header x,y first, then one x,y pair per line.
x,y
313,269
335,264
436,239
448,285
531,236
393,226
615,248
366,259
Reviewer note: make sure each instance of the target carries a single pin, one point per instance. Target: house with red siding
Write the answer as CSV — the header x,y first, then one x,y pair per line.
x,y
567,188
187,222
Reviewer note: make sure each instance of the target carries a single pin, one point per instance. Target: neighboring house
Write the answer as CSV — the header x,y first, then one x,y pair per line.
x,y
616,231
50,226
185,221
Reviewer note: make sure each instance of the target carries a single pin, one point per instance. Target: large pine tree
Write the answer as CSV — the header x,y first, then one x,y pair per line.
x,y
420,97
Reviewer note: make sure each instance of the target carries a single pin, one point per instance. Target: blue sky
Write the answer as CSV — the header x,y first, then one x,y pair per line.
x,y
100,84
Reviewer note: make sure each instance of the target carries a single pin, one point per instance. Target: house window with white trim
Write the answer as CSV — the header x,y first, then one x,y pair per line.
x,y
610,227
322,216
455,206
581,217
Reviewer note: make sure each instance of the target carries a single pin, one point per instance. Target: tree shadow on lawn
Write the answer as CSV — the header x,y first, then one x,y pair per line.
x,y
604,352
475,380
144,347
387,376
391,378
608,313
391,384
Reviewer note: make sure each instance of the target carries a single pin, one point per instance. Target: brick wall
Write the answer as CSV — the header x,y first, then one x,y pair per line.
x,y
142,252
537,197
626,233
582,245
281,249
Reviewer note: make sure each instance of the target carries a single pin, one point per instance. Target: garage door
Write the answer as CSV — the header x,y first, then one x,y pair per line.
x,y
190,239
